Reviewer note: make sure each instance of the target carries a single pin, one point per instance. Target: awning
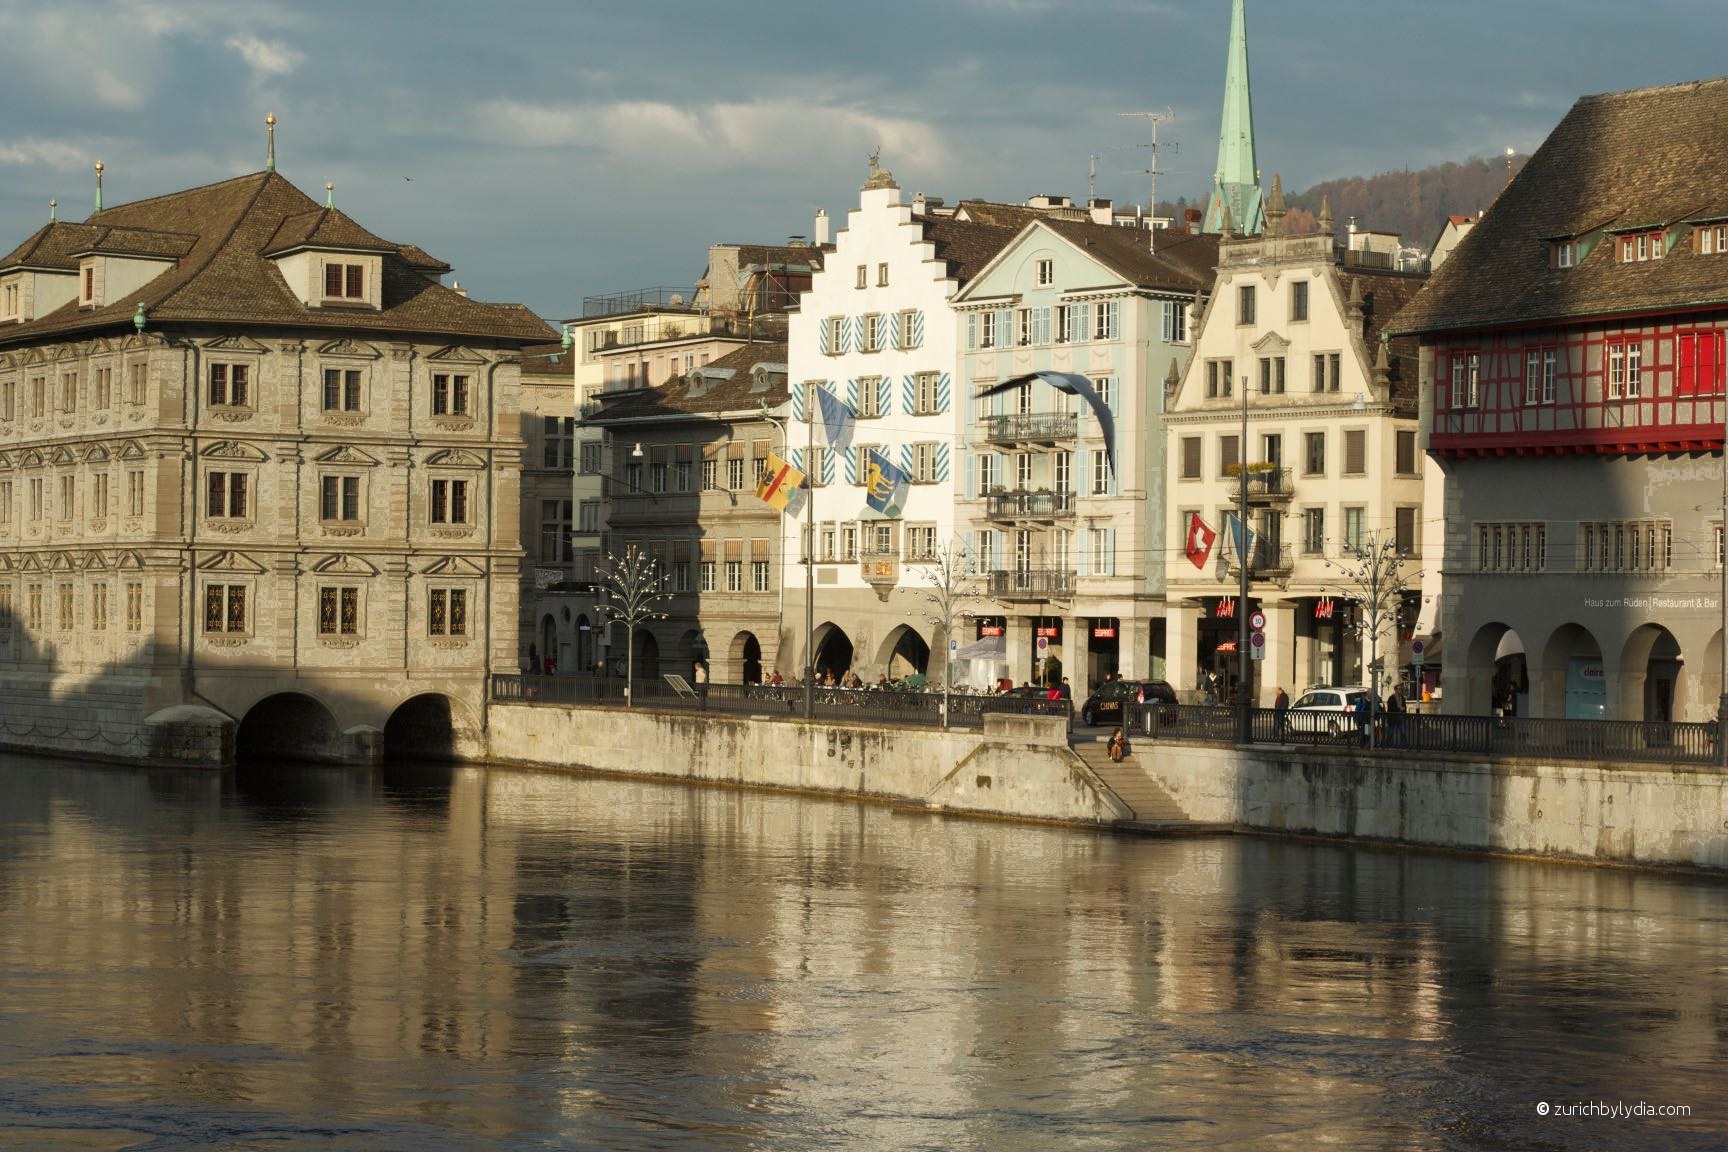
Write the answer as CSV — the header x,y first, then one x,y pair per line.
x,y
989,648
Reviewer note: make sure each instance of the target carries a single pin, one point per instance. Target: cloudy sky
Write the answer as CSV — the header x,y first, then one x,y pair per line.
x,y
554,150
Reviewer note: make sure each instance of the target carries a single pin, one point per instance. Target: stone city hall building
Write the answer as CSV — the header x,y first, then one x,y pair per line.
x,y
254,480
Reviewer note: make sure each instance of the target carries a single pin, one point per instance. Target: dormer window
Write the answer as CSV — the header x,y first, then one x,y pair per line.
x,y
10,299
1643,246
87,293
1712,241
1563,253
344,281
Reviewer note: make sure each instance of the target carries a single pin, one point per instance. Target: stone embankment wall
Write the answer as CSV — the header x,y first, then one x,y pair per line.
x,y
1623,814
1020,767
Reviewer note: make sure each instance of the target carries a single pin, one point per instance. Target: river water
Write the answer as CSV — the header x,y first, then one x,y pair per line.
x,y
339,959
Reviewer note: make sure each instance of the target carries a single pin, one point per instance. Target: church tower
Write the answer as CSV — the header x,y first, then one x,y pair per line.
x,y
1236,182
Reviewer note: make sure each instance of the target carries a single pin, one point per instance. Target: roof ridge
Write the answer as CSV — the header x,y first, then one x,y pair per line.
x,y
92,218
1634,93
217,249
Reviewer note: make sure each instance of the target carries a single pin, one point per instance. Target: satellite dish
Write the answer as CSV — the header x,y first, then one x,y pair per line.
x,y
676,299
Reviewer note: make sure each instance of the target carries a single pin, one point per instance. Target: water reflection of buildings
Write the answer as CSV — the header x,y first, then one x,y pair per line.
x,y
604,960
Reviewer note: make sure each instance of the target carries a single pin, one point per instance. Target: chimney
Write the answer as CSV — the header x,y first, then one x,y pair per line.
x,y
1101,210
456,287
822,228
919,204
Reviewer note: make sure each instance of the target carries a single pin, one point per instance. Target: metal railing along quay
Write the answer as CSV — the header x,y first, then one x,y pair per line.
x,y
1593,741
862,705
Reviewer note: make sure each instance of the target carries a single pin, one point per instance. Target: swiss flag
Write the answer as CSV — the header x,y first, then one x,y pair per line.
x,y
1200,541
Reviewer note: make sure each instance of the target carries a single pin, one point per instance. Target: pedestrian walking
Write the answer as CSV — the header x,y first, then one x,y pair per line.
x,y
1211,687
1363,715
702,684
1396,737
1280,714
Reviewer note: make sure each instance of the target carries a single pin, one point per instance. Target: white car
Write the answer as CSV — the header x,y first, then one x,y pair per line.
x,y
1325,711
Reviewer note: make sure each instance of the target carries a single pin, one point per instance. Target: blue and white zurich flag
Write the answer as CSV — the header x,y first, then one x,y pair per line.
x,y
837,417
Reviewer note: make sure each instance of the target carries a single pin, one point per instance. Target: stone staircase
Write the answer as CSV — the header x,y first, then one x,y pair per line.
x,y
1151,803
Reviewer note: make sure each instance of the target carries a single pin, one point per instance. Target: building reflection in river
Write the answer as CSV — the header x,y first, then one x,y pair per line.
x,y
510,958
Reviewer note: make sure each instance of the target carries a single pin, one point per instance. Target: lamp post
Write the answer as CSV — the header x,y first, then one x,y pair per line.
x,y
808,535
1244,667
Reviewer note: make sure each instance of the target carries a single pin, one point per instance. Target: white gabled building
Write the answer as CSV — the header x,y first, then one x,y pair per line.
x,y
877,329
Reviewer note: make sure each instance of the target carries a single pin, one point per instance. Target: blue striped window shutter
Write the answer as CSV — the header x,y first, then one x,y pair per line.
x,y
884,395
944,388
1081,555
852,393
848,327
798,402
917,330
942,462
822,337
828,467
893,323
906,395
906,458
798,459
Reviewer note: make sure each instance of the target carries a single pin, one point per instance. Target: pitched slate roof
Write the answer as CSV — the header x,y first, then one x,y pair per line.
x,y
996,215
1183,262
1385,294
324,228
225,278
717,393
1647,158
547,360
966,247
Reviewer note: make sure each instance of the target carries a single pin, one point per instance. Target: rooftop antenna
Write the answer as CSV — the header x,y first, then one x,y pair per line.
x,y
1509,154
1092,177
1151,170
99,167
270,156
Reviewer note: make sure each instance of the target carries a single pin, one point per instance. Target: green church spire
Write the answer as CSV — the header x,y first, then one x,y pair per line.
x,y
1237,179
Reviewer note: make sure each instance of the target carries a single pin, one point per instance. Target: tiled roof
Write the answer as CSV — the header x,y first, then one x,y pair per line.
x,y
139,242
324,228
418,257
998,215
1183,262
966,246
547,360
1647,158
683,397
751,254
1384,296
225,278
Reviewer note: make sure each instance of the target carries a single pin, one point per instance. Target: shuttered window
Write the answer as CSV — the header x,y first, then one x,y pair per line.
x,y
1228,455
1406,453
1355,452
1190,457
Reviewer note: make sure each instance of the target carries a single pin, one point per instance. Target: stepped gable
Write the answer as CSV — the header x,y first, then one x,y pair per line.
x,y
225,277
1625,161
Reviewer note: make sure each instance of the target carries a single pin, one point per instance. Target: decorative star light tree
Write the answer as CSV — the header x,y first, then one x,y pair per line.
x,y
634,586
1374,577
948,593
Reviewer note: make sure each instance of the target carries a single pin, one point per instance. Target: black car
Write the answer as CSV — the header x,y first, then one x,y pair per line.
x,y
1105,705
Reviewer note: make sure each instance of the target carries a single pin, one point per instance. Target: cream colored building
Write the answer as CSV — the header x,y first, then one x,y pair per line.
x,y
258,472
1292,337
560,518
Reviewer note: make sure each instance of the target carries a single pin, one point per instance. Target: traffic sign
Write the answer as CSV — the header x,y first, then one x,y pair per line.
x,y
1416,648
953,645
1043,643
1257,621
1258,639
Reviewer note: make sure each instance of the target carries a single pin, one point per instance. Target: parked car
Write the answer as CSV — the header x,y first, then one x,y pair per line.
x,y
1328,710
999,701
1105,705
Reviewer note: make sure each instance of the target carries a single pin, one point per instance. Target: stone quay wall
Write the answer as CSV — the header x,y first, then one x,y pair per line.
x,y
1629,814
1018,767
1021,767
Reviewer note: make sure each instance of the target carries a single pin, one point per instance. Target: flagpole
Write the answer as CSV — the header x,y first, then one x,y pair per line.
x,y
812,479
1244,722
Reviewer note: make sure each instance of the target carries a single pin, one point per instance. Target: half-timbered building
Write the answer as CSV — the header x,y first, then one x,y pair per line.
x,y
1573,393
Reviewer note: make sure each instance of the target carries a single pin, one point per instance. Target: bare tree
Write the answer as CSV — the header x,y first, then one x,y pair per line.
x,y
634,586
946,575
1374,577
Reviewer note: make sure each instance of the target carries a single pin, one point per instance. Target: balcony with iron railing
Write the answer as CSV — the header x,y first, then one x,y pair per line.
x,y
1029,505
1030,428
1269,559
1267,483
1033,584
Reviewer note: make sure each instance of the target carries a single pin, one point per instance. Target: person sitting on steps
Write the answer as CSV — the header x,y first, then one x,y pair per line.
x,y
1118,747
